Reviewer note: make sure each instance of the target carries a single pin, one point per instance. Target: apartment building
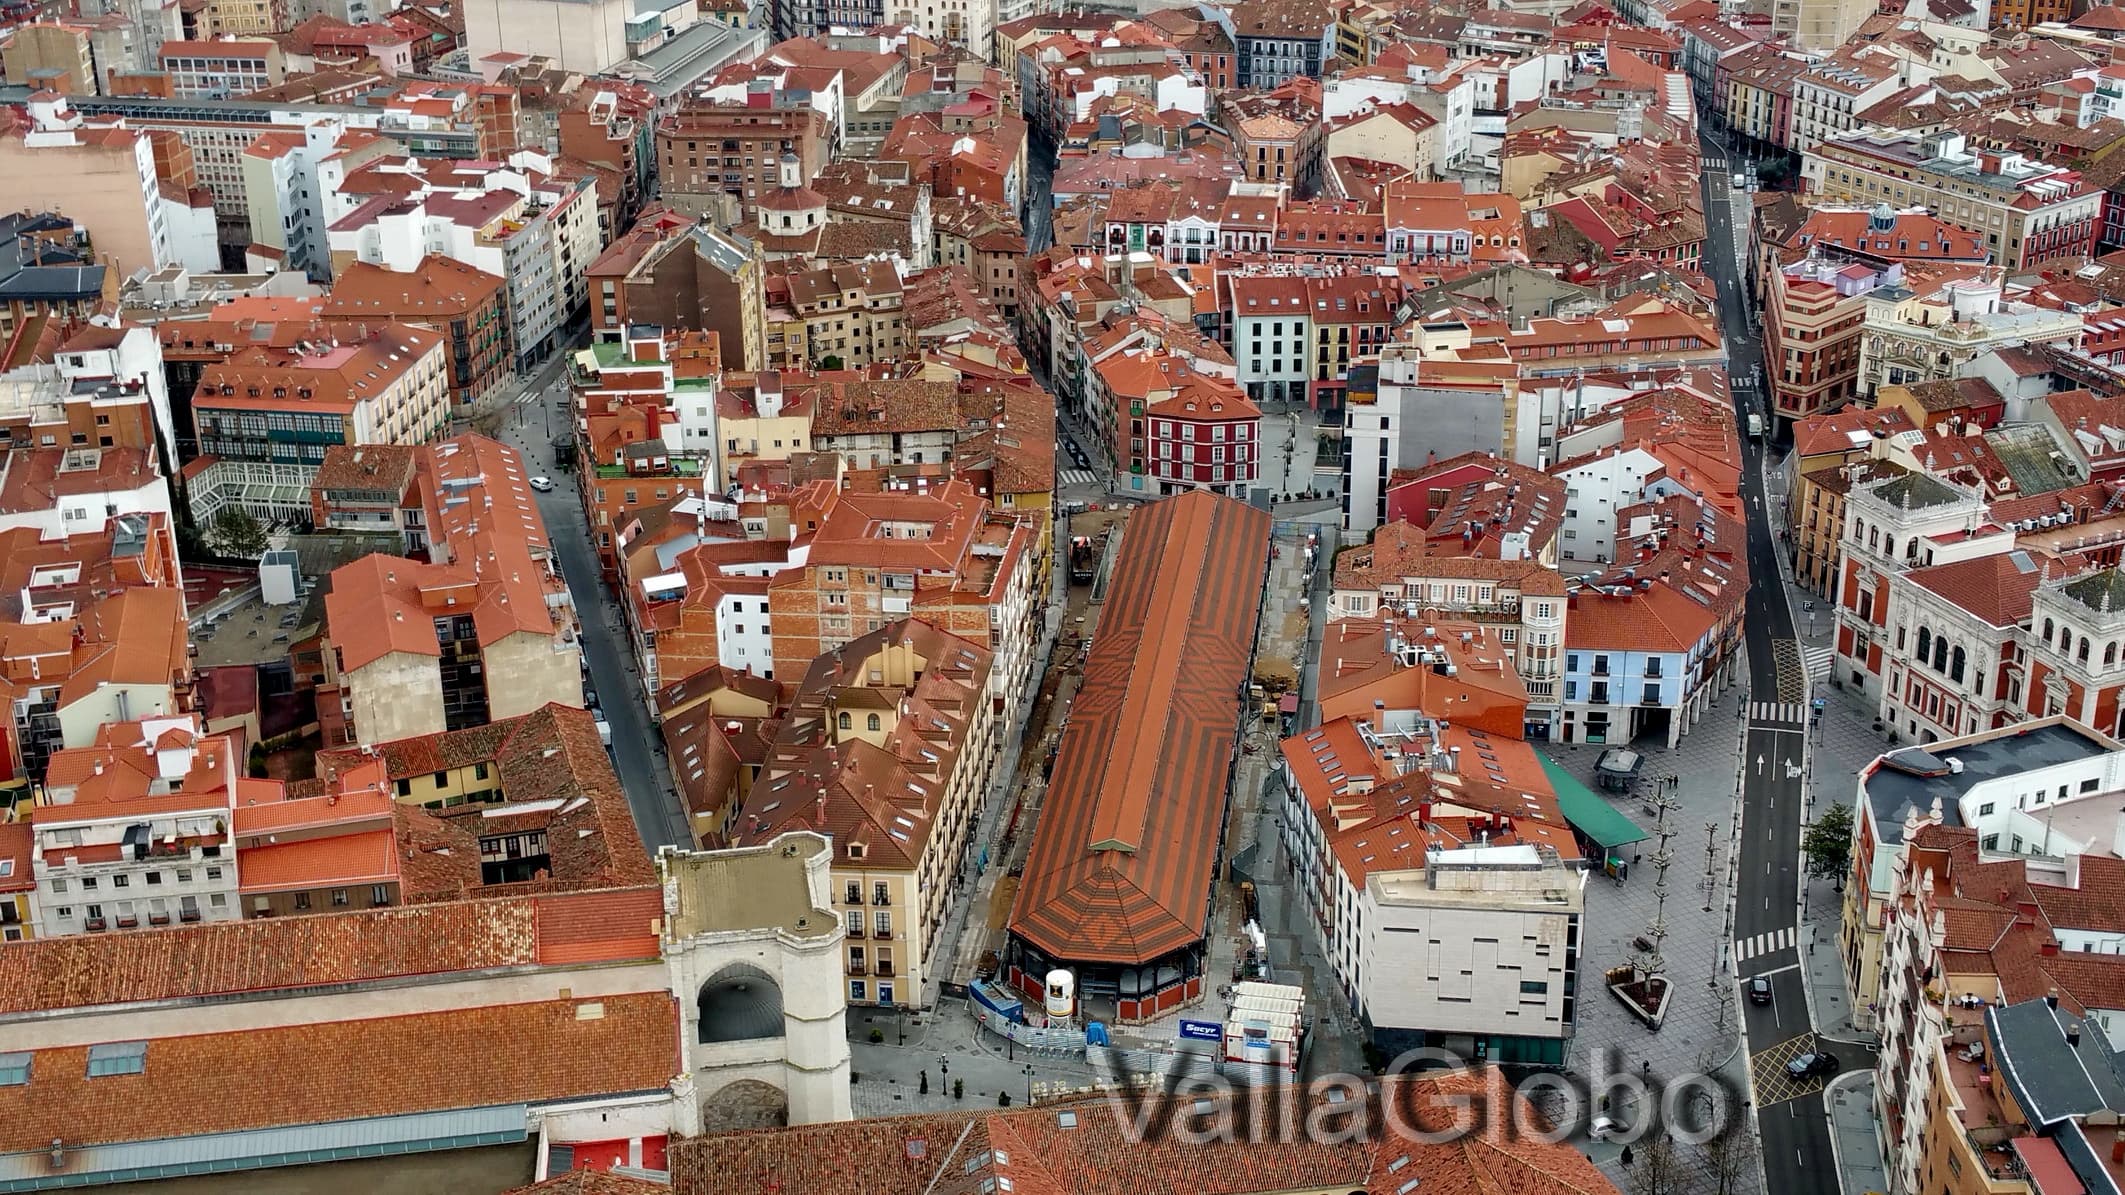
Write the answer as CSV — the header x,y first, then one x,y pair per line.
x,y
219,69
709,150
131,661
888,741
56,56
2033,789
497,627
133,829
687,277
1521,602
931,550
416,648
18,921
1176,427
1930,333
521,223
467,306
103,176
1818,26
1831,454
290,180
1816,280
2029,212
1447,916
265,417
836,317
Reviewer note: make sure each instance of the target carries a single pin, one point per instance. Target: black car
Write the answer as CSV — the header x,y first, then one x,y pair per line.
x,y
1808,1066
1759,990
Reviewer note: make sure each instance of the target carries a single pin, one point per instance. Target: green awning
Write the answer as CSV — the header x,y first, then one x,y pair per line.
x,y
1587,812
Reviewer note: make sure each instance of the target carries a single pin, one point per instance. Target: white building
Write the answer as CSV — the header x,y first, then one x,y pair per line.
x,y
287,184
1438,917
520,223
1498,928
135,831
753,945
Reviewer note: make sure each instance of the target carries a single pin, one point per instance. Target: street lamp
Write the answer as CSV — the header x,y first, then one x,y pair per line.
x,y
1029,1084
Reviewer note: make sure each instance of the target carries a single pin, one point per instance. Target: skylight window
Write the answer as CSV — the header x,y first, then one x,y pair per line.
x,y
118,1058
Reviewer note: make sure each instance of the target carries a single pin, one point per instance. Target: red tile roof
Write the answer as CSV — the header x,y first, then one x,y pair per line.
x,y
281,953
1097,1154
1995,588
1123,857
347,1070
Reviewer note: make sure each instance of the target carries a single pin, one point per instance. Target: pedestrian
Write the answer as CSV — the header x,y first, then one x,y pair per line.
x,y
1626,1159
1645,1066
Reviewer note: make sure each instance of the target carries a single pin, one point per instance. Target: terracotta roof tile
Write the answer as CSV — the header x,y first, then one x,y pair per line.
x,y
347,1070
1125,852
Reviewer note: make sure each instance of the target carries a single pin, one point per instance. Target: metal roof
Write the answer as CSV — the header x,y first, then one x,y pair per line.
x,y
257,1149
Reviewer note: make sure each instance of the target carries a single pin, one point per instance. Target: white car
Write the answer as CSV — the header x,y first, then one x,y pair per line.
x,y
1605,1129
544,485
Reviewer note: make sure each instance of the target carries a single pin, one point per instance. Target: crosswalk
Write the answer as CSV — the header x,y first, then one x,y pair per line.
x,y
1785,713
1818,660
1715,163
1079,477
1769,942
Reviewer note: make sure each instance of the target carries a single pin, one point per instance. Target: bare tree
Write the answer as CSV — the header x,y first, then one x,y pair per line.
x,y
1656,1168
1728,1160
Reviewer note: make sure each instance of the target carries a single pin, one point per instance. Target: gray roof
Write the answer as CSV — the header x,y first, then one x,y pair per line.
x,y
2026,450
1914,777
2091,1167
2052,1080
1916,491
257,1149
2102,591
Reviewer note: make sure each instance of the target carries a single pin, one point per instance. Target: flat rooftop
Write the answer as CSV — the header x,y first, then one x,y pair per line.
x,y
1914,777
757,888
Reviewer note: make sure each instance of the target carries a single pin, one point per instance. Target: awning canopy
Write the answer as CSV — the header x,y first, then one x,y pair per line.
x,y
1587,812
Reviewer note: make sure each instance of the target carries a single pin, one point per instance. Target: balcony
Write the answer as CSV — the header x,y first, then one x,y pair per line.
x,y
855,931
158,918
856,966
882,898
885,968
188,916
95,925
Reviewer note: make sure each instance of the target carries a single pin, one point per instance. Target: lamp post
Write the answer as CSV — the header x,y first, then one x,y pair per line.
x,y
1029,1084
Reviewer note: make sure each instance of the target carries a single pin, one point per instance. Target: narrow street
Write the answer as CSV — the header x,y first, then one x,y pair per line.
x,y
1792,1122
637,748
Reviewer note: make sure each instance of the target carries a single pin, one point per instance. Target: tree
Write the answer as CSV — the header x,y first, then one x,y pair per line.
x,y
235,533
1657,1169
830,361
1828,842
1727,1158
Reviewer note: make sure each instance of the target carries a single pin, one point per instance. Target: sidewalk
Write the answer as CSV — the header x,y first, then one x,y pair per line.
x,y
957,952
1855,1135
1829,1008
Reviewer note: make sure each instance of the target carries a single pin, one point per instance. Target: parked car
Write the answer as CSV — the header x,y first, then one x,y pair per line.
x,y
544,485
1809,1065
1605,1128
1759,990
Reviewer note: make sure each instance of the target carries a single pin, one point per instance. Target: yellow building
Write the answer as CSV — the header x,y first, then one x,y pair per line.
x,y
52,54
758,422
889,748
244,17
